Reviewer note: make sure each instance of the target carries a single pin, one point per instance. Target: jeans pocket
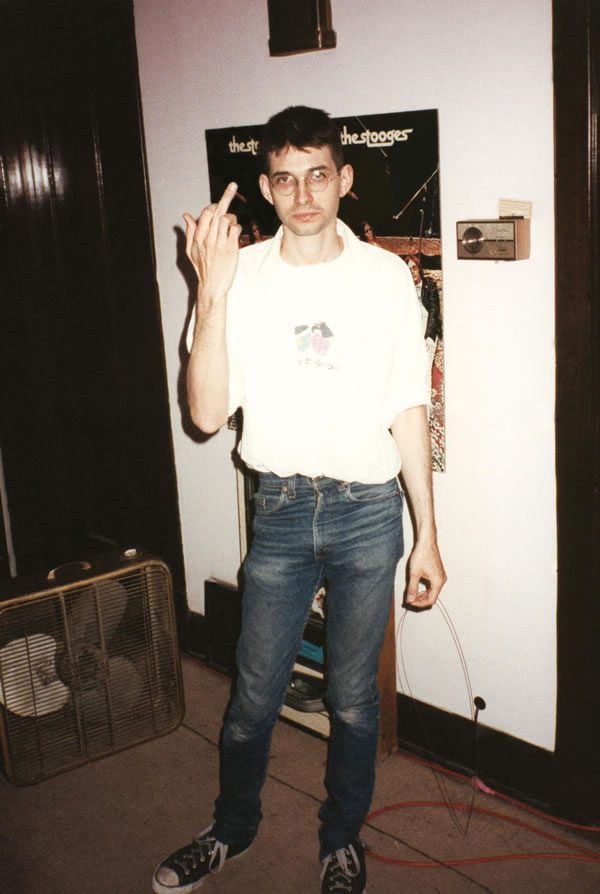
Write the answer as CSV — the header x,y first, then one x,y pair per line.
x,y
370,493
266,502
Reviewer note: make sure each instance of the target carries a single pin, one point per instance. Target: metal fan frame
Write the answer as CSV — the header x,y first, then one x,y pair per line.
x,y
116,566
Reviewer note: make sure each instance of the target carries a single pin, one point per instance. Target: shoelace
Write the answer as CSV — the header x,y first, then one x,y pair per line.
x,y
200,850
338,870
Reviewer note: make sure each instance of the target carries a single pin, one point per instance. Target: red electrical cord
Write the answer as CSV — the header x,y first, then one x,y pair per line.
x,y
574,851
577,851
476,784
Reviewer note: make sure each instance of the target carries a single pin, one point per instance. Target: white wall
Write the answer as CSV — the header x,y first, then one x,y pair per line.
x,y
487,68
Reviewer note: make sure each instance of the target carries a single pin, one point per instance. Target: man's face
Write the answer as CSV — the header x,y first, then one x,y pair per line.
x,y
415,272
306,212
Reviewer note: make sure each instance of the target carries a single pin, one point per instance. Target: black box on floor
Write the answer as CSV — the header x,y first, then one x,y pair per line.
x,y
223,616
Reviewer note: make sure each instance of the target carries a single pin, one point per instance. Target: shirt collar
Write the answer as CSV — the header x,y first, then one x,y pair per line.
x,y
356,251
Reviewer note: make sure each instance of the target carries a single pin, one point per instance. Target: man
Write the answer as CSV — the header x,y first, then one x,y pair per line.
x,y
326,422
431,312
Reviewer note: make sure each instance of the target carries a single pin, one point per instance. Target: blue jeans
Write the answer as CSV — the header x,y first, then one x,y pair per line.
x,y
307,531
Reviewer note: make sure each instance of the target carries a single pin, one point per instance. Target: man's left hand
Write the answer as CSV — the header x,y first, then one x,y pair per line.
x,y
424,568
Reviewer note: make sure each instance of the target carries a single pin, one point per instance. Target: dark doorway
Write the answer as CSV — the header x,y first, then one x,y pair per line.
x,y
85,427
577,106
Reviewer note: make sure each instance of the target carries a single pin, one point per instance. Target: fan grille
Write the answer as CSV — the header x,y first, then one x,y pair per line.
x,y
88,670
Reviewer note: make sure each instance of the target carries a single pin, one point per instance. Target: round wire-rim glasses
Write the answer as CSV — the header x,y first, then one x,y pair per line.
x,y
315,180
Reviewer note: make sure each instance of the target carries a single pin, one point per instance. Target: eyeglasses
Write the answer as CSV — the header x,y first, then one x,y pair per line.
x,y
315,181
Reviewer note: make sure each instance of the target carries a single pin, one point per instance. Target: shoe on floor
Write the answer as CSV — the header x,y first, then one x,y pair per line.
x,y
186,869
345,870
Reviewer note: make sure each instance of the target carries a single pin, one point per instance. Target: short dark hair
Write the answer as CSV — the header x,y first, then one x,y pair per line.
x,y
298,127
415,260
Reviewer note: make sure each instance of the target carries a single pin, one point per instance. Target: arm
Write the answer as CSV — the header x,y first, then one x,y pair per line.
x,y
212,247
410,431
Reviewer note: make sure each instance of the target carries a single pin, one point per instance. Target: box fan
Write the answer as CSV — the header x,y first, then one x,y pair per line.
x,y
88,666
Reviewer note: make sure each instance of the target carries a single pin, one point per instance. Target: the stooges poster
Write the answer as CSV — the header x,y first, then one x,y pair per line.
x,y
394,201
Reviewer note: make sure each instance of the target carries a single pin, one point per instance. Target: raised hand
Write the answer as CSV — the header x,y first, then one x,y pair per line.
x,y
212,245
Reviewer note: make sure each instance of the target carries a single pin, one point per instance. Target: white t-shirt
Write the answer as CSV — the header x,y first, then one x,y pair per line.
x,y
322,358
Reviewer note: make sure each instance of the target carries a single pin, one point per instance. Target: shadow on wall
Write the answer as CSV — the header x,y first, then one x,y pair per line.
x,y
187,272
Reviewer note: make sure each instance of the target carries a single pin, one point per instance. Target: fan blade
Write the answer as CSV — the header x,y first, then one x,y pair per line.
x,y
104,602
29,685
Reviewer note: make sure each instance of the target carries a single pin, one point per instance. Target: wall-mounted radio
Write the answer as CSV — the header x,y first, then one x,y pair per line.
x,y
504,239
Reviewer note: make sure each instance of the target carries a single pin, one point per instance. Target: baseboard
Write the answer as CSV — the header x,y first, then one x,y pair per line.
x,y
503,762
195,635
214,635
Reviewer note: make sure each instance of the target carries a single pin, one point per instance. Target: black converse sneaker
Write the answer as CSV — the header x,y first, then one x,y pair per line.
x,y
345,870
186,869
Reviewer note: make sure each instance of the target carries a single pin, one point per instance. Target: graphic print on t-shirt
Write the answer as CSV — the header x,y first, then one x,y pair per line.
x,y
315,346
